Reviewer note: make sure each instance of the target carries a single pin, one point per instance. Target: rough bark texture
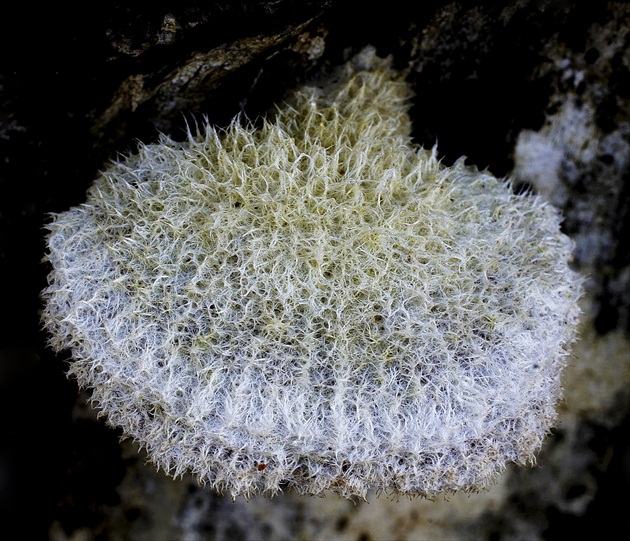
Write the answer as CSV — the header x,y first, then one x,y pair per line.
x,y
538,90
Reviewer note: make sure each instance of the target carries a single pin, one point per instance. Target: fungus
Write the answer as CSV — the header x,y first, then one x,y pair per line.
x,y
315,302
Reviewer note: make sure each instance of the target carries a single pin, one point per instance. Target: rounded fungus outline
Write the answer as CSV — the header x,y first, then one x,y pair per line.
x,y
314,302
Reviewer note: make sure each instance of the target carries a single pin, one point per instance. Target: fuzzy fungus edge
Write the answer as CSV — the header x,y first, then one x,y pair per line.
x,y
313,302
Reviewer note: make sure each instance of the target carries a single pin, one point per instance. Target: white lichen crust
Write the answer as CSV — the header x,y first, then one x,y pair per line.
x,y
316,303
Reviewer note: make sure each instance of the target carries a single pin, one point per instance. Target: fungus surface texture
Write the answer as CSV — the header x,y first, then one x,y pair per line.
x,y
314,302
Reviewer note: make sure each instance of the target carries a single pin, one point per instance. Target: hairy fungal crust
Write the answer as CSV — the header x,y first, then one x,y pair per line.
x,y
315,302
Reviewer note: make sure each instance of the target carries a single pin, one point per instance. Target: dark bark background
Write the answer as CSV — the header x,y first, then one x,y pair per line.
x,y
516,86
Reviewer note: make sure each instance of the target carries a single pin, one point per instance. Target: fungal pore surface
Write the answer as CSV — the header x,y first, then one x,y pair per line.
x,y
314,302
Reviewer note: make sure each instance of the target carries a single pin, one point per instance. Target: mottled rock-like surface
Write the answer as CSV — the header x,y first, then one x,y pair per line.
x,y
538,90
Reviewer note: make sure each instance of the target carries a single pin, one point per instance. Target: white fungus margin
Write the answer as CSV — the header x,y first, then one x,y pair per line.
x,y
315,302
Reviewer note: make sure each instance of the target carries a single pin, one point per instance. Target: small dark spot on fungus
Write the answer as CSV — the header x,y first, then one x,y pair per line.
x,y
342,524
261,467
591,55
576,491
607,159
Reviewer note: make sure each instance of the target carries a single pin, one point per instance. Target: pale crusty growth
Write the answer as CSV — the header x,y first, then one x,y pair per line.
x,y
316,303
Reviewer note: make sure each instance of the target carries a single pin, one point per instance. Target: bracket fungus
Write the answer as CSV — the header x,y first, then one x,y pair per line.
x,y
315,302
